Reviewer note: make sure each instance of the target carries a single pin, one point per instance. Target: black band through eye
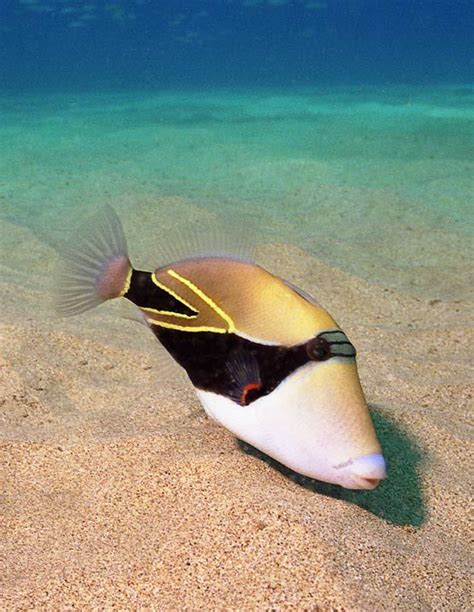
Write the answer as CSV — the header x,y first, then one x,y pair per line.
x,y
318,349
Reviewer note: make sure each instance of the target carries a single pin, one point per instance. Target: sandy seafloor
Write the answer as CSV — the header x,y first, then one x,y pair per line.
x,y
117,490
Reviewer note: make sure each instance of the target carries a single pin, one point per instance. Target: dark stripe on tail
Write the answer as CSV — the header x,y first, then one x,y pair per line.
x,y
146,294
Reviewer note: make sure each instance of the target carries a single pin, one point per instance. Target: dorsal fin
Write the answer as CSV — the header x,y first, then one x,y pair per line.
x,y
228,236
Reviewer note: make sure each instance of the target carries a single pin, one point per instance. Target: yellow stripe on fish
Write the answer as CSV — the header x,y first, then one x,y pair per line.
x,y
171,292
208,317
205,298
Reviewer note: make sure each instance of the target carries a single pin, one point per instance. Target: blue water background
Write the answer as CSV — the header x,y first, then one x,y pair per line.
x,y
343,126
70,45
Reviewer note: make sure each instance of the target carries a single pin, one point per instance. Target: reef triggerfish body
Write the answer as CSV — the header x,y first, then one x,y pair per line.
x,y
266,361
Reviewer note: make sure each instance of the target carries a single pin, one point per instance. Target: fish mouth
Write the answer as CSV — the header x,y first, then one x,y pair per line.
x,y
365,472
366,483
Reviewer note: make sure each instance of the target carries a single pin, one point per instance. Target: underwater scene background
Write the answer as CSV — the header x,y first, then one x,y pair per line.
x,y
339,134
348,123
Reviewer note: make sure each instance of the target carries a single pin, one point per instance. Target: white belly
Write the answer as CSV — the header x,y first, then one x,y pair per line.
x,y
315,422
281,424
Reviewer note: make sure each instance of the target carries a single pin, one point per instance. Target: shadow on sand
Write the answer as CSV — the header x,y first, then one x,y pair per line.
x,y
397,500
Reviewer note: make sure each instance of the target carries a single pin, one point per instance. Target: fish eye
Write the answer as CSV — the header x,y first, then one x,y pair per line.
x,y
318,349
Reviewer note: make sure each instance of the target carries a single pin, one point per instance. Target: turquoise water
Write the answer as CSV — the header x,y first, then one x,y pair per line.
x,y
377,181
344,127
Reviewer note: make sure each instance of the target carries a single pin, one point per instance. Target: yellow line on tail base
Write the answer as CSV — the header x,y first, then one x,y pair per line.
x,y
128,280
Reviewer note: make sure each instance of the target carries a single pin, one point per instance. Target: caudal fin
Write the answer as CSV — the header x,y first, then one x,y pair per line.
x,y
94,265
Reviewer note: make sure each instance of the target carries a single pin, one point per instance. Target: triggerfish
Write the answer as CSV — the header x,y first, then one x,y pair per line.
x,y
266,361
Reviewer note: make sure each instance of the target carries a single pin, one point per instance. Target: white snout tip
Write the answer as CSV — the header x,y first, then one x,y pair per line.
x,y
368,471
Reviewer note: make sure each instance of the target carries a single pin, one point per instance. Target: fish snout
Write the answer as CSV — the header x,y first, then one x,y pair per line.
x,y
367,471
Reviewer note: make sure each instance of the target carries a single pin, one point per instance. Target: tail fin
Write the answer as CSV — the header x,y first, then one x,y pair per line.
x,y
95,266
